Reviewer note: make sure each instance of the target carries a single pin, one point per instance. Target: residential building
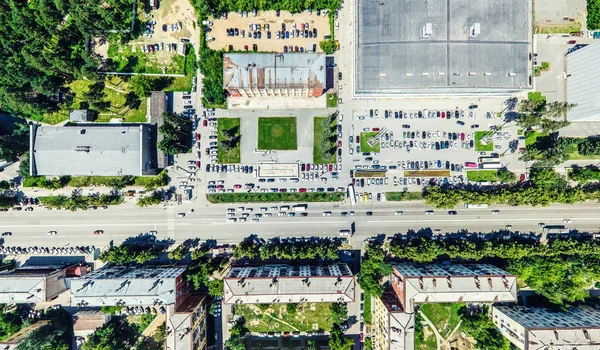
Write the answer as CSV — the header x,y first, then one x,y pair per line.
x,y
186,324
14,340
392,328
583,83
85,323
92,149
447,283
81,116
32,284
289,284
255,75
130,286
535,328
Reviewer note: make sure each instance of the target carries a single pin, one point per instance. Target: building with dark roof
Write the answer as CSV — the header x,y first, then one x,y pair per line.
x,y
186,324
32,284
533,328
274,75
92,150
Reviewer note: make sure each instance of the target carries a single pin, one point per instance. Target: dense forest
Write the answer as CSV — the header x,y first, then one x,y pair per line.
x,y
43,46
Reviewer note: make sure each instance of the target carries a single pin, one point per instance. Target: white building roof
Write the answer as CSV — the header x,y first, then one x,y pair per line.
x,y
437,283
578,327
129,285
29,284
583,83
289,284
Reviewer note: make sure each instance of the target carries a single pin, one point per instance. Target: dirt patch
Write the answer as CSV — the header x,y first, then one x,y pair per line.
x,y
219,31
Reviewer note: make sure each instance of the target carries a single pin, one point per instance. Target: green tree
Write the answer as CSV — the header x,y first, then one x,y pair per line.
x,y
478,325
506,176
179,252
117,334
142,85
337,340
373,269
54,336
339,313
328,46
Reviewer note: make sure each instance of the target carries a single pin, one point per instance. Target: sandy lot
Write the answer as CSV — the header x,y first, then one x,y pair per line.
x,y
219,31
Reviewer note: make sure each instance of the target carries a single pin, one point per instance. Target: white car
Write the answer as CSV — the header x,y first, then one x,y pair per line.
x,y
495,212
51,233
567,221
326,213
399,212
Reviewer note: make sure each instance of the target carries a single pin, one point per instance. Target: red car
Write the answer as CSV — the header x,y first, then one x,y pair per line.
x,y
357,139
330,167
98,232
197,164
204,122
237,186
443,114
207,151
302,26
307,167
340,143
375,129
282,190
462,136
571,42
197,137
220,186
362,338
522,177
302,190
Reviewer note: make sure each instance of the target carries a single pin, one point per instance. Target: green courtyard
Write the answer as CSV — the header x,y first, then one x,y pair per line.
x,y
277,133
229,140
286,317
364,146
480,147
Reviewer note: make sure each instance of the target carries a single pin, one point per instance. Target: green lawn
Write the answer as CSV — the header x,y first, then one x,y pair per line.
x,y
325,136
443,316
258,197
233,155
536,96
531,137
479,147
178,83
132,112
277,133
364,146
403,196
130,59
482,175
273,317
332,100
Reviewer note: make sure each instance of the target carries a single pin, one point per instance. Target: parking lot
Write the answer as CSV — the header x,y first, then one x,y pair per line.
x,y
269,32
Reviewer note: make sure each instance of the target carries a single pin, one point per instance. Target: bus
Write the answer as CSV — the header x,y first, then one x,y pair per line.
x,y
468,206
492,166
488,159
352,195
300,207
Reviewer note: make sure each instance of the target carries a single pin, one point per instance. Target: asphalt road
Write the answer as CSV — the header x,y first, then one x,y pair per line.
x,y
118,223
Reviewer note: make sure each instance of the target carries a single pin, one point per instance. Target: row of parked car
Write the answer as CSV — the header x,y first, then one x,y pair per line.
x,y
158,47
458,113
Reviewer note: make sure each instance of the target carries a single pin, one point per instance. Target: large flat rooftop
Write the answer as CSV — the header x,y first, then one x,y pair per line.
x,y
426,46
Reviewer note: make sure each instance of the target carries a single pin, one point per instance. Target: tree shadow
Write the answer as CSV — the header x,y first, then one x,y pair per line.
x,y
161,83
145,239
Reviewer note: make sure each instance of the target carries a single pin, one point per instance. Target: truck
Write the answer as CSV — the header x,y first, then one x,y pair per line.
x,y
491,166
207,23
481,206
300,207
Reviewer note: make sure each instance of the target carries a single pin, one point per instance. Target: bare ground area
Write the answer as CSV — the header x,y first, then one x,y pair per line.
x,y
219,31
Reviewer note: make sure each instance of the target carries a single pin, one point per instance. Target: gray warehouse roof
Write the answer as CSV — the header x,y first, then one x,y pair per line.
x,y
416,46
583,83
270,71
105,150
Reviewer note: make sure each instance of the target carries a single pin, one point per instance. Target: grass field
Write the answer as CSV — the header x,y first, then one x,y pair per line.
x,y
479,147
332,100
233,155
258,197
482,175
286,317
323,129
364,146
403,196
531,137
536,96
116,92
443,316
277,133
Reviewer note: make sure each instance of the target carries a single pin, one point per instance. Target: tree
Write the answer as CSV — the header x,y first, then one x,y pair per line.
x,y
478,325
593,14
337,340
116,334
179,253
506,176
328,46
142,85
373,269
54,336
339,313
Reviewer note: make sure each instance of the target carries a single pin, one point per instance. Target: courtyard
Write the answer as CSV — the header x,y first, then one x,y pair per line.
x,y
286,317
277,133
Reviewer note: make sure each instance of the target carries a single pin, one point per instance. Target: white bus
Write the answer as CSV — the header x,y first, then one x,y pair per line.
x,y
352,195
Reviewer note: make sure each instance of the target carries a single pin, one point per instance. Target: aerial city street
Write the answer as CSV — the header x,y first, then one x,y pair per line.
x,y
331,174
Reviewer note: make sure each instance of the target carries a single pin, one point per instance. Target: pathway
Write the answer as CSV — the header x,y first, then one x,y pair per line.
x,y
438,337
